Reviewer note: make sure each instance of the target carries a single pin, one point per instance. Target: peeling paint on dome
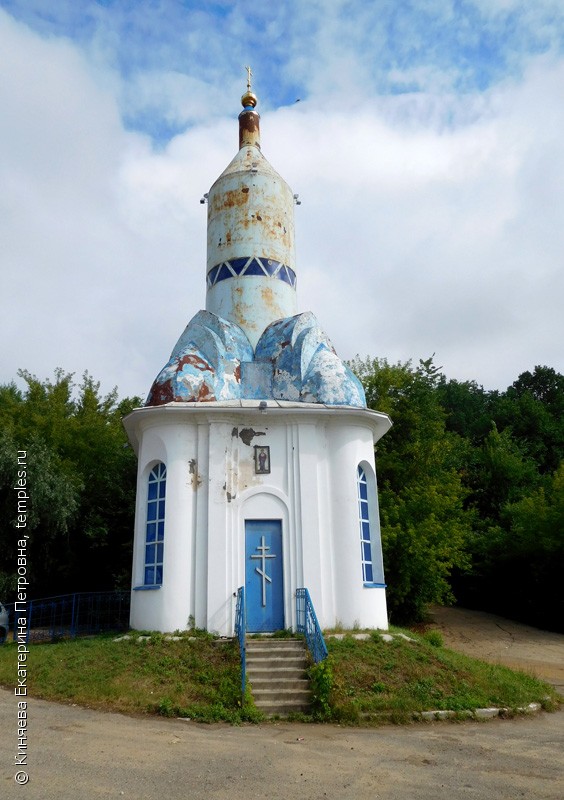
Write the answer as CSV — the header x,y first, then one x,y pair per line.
x,y
305,365
330,381
205,364
294,360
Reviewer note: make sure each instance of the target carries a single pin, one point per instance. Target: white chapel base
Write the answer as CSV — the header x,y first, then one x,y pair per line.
x,y
216,486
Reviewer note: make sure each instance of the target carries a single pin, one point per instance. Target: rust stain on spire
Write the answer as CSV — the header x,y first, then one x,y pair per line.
x,y
249,128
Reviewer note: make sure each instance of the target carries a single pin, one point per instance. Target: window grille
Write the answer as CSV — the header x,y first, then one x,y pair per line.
x,y
154,535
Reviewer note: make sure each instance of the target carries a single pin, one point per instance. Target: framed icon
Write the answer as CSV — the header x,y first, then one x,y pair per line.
x,y
262,459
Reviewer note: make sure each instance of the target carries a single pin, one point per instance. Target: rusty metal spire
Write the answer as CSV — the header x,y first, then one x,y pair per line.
x,y
251,262
249,128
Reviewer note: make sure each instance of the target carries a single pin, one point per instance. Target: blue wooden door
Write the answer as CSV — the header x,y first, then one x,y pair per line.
x,y
264,575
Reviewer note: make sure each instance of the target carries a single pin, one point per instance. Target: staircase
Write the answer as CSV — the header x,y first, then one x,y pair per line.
x,y
276,672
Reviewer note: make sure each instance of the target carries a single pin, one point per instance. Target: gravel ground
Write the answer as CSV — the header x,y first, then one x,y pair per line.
x,y
501,641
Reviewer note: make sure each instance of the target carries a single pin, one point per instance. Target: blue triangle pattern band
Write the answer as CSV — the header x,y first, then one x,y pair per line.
x,y
252,266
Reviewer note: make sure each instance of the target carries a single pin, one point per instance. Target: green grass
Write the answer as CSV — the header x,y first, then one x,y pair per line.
x,y
197,677
368,681
394,681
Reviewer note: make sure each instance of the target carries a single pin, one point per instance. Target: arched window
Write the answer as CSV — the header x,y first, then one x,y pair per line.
x,y
154,537
364,521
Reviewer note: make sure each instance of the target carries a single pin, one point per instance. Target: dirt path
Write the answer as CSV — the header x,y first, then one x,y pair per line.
x,y
79,754
501,641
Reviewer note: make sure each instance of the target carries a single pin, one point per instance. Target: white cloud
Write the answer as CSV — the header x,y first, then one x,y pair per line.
x,y
429,223
439,240
71,260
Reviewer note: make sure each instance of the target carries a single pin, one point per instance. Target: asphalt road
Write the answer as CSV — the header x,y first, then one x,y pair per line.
x,y
79,754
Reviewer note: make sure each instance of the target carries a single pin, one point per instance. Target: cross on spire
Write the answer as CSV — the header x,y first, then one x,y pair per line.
x,y
249,76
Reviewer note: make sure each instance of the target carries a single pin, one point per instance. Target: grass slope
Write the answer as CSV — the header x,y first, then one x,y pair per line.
x,y
199,677
196,677
395,680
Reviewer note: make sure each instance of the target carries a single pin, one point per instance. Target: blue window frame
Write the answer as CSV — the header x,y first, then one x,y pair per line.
x,y
364,522
154,534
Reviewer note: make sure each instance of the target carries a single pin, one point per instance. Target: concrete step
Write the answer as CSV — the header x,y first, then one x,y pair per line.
x,y
275,662
286,650
263,652
282,708
279,674
302,694
287,684
276,671
265,641
279,652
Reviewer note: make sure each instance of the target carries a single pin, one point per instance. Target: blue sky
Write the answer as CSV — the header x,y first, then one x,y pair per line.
x,y
297,48
426,148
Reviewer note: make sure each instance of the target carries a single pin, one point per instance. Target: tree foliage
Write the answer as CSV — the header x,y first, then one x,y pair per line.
x,y
80,479
424,525
471,490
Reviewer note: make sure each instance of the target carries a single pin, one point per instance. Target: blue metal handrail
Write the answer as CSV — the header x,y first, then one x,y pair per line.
x,y
306,621
240,629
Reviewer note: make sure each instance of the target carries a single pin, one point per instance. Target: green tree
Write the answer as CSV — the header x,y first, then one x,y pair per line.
x,y
519,565
50,507
81,479
424,523
508,472
532,409
468,408
498,473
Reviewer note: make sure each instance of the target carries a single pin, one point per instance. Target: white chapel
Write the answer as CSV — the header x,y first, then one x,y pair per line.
x,y
255,446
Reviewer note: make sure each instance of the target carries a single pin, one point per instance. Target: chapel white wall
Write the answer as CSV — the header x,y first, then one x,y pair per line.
x,y
212,489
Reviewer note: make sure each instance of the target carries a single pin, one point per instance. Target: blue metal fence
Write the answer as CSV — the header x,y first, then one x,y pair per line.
x,y
240,629
70,615
306,623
